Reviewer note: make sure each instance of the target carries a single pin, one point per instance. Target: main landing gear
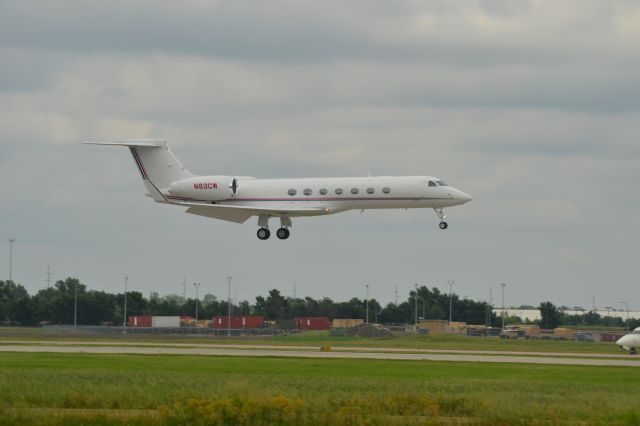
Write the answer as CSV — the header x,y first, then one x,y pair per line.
x,y
442,216
264,233
282,233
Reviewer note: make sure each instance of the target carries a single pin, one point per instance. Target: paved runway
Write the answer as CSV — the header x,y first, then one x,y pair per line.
x,y
621,355
361,353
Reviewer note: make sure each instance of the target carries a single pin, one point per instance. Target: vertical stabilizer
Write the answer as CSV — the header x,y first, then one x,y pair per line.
x,y
156,163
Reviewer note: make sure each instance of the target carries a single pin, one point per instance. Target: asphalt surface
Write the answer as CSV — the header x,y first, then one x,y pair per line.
x,y
308,352
313,348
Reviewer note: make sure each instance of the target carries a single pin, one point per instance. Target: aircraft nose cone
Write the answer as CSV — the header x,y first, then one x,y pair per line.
x,y
622,341
464,197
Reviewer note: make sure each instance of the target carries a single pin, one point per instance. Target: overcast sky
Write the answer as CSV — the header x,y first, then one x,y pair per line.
x,y
533,107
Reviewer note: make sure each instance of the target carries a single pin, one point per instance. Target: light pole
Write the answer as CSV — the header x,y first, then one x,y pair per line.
x,y
75,306
503,311
366,320
11,241
197,286
627,307
416,304
124,323
451,283
229,278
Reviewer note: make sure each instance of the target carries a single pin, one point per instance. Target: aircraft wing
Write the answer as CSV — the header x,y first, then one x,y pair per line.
x,y
240,214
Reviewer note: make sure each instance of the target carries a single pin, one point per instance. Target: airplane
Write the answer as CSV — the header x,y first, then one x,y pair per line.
x,y
630,342
237,198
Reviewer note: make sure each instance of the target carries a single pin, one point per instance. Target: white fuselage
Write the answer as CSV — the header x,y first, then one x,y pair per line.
x,y
630,341
329,195
237,198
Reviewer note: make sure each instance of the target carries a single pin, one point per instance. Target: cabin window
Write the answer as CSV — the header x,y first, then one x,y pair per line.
x,y
442,183
292,192
432,183
338,191
386,190
354,191
370,190
323,191
307,191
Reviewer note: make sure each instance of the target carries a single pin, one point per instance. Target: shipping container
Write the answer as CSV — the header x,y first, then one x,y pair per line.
x,y
435,327
312,323
165,322
139,321
346,323
610,337
238,322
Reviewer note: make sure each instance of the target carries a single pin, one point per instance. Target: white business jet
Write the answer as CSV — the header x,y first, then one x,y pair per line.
x,y
237,198
630,342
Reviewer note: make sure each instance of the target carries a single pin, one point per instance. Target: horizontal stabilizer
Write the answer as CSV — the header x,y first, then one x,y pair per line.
x,y
149,143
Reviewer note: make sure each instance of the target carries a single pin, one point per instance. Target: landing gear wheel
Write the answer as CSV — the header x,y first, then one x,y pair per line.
x,y
263,234
440,212
282,233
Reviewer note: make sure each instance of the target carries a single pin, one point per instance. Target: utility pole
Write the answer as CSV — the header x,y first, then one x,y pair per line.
x,y
396,295
229,278
75,307
416,304
11,241
294,291
124,323
503,311
197,286
184,288
593,304
490,306
48,274
366,320
626,306
451,283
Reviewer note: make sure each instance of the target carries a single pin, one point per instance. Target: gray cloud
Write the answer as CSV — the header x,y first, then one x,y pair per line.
x,y
532,107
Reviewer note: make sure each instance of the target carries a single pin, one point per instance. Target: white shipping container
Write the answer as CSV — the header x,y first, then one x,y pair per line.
x,y
165,322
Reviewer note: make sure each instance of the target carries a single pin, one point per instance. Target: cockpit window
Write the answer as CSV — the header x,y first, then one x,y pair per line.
x,y
432,183
441,183
636,331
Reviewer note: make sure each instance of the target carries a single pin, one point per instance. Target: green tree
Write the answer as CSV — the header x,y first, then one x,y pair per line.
x,y
15,303
551,316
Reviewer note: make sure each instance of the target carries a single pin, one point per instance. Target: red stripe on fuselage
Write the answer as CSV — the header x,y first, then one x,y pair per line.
x,y
136,158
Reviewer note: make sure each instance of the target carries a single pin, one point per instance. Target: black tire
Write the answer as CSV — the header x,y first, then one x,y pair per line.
x,y
282,233
443,225
263,234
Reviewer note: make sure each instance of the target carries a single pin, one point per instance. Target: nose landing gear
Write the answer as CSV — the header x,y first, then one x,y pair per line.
x,y
440,212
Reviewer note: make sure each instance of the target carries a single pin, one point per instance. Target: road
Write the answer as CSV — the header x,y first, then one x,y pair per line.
x,y
309,352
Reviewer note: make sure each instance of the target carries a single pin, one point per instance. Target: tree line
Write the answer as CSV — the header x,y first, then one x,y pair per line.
x,y
56,304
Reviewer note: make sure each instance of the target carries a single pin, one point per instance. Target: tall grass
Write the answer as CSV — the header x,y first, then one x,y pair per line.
x,y
103,389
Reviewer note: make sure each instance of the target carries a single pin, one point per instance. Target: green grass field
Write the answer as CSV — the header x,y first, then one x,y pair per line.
x,y
126,389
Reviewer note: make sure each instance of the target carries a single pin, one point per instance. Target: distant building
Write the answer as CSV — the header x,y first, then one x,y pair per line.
x,y
534,314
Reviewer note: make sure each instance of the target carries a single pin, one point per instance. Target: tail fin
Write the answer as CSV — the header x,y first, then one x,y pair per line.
x,y
157,164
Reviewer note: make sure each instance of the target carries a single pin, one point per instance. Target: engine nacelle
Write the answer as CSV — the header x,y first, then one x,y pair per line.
x,y
208,188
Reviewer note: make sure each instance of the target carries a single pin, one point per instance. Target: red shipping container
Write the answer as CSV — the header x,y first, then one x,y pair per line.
x,y
238,322
312,323
139,321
